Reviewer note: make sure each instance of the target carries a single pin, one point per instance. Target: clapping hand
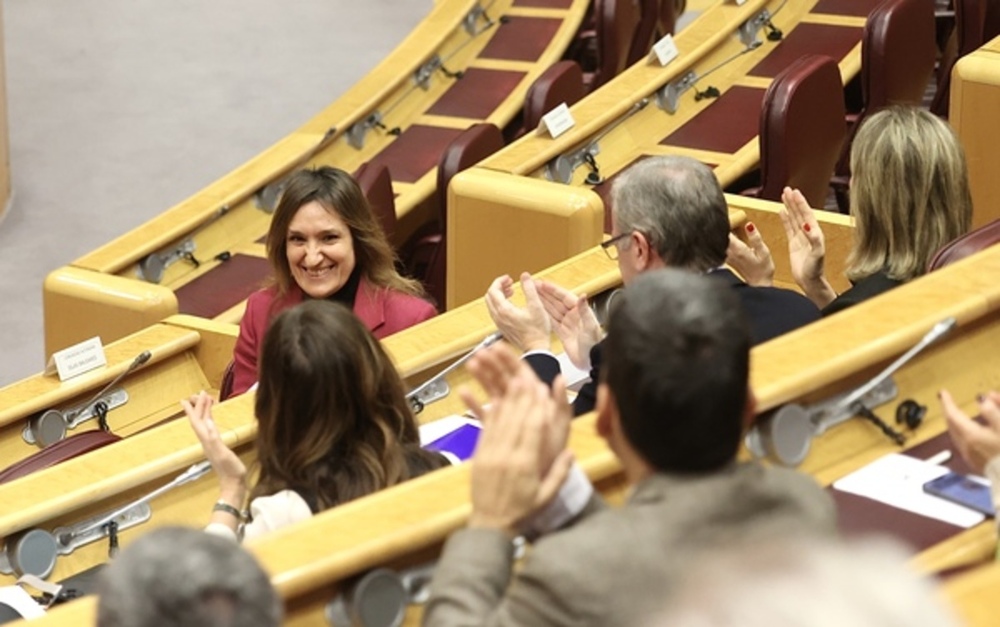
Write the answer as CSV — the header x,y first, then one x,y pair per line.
x,y
751,259
528,328
977,444
521,459
806,247
573,320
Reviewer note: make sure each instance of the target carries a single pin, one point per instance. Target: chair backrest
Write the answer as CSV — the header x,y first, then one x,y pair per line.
x,y
960,248
58,452
970,34
897,61
667,17
228,380
474,144
376,184
802,129
642,37
563,82
897,54
617,23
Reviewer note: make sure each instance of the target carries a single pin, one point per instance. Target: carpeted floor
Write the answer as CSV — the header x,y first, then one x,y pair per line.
x,y
119,109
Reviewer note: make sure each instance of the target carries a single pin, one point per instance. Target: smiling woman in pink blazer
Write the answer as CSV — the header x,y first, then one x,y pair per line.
x,y
325,243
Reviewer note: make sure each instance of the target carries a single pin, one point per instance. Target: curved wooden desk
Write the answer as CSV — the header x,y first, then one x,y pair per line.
x,y
628,119
405,525
975,96
402,114
188,355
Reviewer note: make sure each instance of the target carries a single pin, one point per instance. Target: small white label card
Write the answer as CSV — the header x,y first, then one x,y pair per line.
x,y
666,50
558,120
740,3
77,359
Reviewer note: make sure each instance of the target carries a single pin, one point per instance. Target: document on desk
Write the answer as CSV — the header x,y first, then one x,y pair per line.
x,y
21,602
898,480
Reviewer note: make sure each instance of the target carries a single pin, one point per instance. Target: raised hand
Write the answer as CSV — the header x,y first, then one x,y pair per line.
x,y
227,465
521,459
753,259
977,444
528,328
573,320
806,247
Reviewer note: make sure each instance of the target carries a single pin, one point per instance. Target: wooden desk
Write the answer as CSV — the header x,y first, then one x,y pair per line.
x,y
975,98
622,122
406,524
188,355
500,60
973,595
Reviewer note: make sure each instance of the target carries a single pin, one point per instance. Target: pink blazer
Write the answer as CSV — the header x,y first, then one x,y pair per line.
x,y
383,311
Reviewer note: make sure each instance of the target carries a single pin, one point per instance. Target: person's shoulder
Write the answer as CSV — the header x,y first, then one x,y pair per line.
x,y
408,306
790,490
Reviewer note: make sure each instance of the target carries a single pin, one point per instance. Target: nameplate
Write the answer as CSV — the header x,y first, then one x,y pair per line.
x,y
77,359
558,120
740,3
666,50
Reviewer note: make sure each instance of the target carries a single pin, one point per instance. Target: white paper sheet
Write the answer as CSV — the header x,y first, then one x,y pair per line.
x,y
898,480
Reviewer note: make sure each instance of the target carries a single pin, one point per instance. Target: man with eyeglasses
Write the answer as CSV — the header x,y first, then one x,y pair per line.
x,y
667,212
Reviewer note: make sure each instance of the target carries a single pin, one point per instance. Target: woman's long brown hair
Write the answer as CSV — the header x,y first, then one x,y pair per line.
x,y
334,423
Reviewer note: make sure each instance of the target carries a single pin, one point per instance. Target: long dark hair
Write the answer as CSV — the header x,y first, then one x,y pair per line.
x,y
333,420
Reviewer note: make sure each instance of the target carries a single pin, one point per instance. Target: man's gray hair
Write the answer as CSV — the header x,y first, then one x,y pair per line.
x,y
179,577
677,204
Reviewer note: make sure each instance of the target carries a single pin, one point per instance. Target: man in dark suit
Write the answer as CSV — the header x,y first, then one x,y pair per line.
x,y
672,403
667,212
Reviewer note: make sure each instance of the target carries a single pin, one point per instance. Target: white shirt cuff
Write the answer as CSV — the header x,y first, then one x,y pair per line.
x,y
572,498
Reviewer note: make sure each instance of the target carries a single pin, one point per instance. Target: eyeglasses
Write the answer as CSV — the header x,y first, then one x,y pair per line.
x,y
611,246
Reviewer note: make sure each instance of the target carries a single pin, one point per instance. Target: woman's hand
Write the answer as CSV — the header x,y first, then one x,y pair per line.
x,y
806,248
230,469
753,259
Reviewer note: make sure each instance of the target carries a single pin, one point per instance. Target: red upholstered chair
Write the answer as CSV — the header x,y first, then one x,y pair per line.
x,y
646,30
972,242
58,452
228,380
667,18
426,260
976,22
801,129
605,50
897,60
563,82
376,184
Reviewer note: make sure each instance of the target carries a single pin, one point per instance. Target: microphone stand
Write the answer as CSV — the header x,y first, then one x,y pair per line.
x,y
414,396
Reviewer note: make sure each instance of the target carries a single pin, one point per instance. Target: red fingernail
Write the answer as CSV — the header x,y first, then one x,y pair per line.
x,y
806,228
750,227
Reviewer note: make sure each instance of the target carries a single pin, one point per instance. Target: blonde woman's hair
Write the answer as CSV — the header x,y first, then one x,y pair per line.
x,y
909,193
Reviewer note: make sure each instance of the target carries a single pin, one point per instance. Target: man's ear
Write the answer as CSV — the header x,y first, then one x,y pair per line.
x,y
607,411
749,408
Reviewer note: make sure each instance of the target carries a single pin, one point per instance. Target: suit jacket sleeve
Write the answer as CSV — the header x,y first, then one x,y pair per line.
x,y
472,583
546,366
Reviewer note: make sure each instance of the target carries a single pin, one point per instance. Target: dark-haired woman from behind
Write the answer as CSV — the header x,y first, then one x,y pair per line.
x,y
325,243
333,424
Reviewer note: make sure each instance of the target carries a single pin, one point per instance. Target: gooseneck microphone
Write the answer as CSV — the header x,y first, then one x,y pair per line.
x,y
414,396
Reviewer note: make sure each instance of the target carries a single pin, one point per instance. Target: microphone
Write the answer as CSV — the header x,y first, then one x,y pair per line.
x,y
938,331
139,360
194,472
50,426
414,396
